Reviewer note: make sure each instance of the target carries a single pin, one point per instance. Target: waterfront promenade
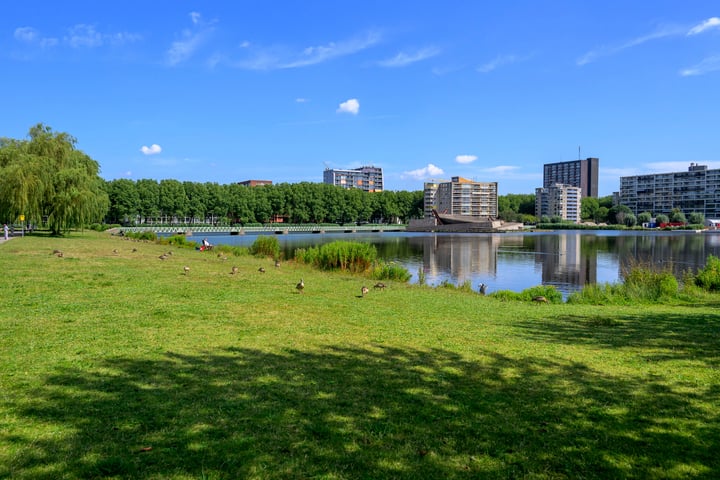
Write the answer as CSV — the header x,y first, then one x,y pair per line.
x,y
271,228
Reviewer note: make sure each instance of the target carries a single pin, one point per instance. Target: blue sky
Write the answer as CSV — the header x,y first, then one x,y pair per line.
x,y
225,91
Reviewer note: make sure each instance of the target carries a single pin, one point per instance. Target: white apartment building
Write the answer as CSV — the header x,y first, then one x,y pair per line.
x,y
696,190
558,200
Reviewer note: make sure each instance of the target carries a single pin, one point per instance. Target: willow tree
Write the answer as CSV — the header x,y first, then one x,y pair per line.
x,y
47,177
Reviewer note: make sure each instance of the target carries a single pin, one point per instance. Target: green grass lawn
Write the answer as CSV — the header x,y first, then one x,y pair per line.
x,y
122,365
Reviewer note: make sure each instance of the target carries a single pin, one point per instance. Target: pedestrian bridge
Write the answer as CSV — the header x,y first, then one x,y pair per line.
x,y
277,228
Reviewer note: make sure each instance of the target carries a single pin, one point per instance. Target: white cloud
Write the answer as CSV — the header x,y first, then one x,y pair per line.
x,y
351,106
78,36
153,149
500,61
280,57
301,100
26,34
502,169
82,35
593,55
403,59
712,22
709,64
181,50
424,173
32,36
465,158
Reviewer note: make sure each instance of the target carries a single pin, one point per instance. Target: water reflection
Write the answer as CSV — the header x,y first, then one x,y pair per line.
x,y
515,261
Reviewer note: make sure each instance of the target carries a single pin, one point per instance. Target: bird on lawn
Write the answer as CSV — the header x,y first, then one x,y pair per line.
x,y
380,285
482,288
186,269
261,270
277,263
300,286
234,271
364,290
540,299
163,257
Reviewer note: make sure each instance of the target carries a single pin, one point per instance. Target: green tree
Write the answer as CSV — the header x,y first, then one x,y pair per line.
x,y
149,193
617,214
661,218
124,200
696,218
677,216
644,217
601,216
47,177
173,201
588,208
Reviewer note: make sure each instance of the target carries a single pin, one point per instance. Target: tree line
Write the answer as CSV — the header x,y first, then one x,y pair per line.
x,y
173,201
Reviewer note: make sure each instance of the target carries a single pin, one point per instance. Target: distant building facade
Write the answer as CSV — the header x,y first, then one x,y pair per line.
x,y
461,196
695,190
558,200
429,197
255,183
369,178
578,173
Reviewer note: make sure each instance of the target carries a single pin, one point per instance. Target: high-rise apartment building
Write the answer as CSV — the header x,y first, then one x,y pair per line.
x,y
462,197
369,179
558,200
696,190
578,173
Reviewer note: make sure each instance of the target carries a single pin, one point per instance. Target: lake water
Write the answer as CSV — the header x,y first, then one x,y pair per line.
x,y
516,261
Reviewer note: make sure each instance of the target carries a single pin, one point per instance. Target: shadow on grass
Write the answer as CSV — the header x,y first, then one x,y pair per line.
x,y
684,336
359,413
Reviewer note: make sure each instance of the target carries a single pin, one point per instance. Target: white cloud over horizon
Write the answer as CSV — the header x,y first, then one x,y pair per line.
x,y
464,159
423,173
502,169
351,106
153,149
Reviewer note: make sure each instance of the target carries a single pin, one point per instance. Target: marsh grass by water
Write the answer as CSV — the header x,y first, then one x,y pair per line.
x,y
122,365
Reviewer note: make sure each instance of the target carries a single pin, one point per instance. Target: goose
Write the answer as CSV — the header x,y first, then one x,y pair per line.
x,y
300,286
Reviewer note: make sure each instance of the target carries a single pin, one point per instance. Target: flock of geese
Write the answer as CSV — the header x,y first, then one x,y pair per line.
x,y
300,286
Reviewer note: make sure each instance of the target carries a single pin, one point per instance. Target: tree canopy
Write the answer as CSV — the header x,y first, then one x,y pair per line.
x,y
46,178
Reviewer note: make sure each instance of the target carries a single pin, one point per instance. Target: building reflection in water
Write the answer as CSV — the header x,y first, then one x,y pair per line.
x,y
566,260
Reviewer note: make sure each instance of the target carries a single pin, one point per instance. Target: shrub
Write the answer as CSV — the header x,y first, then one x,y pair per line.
x,y
390,271
505,295
340,255
266,246
548,291
597,294
645,284
708,277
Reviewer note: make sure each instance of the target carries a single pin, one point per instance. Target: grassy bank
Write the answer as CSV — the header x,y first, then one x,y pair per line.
x,y
117,364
